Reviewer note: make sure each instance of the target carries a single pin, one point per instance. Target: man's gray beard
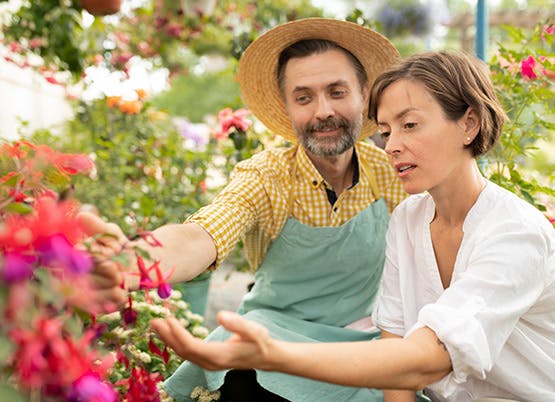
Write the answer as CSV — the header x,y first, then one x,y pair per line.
x,y
351,132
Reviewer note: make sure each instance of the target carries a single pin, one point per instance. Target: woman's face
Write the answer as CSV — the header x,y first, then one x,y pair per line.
x,y
425,148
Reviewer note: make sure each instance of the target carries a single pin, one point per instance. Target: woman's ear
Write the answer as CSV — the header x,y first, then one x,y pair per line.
x,y
471,122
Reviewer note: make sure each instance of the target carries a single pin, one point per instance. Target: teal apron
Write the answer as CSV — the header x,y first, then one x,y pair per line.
x,y
313,282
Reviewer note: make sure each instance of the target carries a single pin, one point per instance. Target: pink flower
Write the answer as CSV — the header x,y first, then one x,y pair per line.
x,y
229,119
527,68
89,387
547,30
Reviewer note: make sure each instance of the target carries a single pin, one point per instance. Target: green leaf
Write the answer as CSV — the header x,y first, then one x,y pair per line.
x,y
18,208
8,393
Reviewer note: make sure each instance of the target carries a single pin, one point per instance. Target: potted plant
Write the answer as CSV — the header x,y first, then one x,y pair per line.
x,y
101,7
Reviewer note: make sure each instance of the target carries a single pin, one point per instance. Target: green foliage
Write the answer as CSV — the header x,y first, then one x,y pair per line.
x,y
219,90
529,103
143,168
53,29
139,337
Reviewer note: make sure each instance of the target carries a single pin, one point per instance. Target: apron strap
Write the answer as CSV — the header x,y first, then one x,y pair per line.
x,y
293,182
367,171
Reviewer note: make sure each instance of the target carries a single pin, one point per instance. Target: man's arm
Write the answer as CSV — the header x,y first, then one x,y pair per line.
x,y
186,248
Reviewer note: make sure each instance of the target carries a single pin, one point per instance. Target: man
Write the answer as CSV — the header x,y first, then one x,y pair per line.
x,y
313,216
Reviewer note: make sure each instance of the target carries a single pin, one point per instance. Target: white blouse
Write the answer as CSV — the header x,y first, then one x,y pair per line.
x,y
497,317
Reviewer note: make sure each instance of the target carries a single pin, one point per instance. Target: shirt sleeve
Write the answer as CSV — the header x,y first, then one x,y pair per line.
x,y
475,316
388,310
235,211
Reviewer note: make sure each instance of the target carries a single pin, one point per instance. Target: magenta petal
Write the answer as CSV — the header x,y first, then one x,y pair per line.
x,y
90,388
164,290
81,262
54,249
17,267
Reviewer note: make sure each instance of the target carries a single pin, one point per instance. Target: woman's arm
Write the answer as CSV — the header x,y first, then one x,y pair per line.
x,y
409,364
396,395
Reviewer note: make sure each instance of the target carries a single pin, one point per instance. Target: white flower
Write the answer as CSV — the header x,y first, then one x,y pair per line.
x,y
200,331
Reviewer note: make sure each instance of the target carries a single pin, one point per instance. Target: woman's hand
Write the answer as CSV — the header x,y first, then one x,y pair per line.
x,y
249,347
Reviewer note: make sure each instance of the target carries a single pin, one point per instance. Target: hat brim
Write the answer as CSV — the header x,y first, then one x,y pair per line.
x,y
257,73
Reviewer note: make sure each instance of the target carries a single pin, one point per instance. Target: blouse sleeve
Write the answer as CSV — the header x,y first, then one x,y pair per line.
x,y
388,310
474,317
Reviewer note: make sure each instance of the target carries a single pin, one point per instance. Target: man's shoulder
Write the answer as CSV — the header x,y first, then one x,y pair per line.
x,y
270,159
371,152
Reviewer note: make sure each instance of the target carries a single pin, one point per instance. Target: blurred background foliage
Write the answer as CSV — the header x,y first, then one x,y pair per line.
x,y
157,159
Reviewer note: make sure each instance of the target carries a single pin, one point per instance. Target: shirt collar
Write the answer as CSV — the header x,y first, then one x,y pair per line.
x,y
309,172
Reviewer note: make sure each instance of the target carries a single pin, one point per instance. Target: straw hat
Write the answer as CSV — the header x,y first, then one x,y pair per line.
x,y
257,74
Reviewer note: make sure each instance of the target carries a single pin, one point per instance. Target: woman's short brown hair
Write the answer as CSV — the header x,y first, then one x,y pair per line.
x,y
456,81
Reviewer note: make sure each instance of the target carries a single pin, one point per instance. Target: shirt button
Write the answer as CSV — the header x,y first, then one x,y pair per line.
x,y
335,209
314,182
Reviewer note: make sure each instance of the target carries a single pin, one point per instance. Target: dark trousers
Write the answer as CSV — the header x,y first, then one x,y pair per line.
x,y
241,386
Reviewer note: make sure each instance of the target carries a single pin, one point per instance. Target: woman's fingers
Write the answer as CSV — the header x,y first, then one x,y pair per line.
x,y
248,331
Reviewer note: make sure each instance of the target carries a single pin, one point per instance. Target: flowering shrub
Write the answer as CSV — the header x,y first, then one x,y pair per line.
x,y
522,74
51,347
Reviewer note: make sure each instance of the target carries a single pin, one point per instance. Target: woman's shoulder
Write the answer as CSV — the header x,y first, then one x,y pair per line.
x,y
499,204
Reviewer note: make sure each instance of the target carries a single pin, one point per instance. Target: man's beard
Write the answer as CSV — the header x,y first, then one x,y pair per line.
x,y
330,146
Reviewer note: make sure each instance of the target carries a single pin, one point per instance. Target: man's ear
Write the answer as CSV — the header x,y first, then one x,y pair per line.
x,y
366,95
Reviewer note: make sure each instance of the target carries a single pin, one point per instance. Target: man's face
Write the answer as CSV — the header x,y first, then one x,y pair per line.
x,y
324,101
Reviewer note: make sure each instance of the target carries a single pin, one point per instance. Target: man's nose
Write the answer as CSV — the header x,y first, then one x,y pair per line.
x,y
324,108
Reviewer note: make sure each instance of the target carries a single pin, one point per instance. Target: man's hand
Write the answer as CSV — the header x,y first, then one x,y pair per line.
x,y
249,347
107,276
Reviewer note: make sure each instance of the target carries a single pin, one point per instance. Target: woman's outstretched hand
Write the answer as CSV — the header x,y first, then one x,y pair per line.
x,y
250,346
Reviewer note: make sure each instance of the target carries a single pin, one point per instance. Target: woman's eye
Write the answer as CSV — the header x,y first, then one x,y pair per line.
x,y
385,135
409,126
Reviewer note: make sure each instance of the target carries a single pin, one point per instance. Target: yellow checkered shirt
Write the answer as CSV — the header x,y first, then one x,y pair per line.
x,y
254,203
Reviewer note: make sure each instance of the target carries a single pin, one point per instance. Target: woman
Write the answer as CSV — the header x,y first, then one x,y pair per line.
x,y
466,304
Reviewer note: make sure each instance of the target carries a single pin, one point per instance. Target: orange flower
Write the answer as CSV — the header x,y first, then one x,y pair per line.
x,y
112,101
141,93
131,107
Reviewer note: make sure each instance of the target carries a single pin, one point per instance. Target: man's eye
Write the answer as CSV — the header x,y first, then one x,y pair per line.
x,y
303,99
337,93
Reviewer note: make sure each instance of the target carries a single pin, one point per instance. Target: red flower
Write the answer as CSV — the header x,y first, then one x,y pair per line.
x,y
73,163
229,119
141,386
47,358
527,68
146,282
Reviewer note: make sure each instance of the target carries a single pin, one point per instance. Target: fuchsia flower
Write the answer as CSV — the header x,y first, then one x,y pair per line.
x,y
229,119
89,387
141,386
17,267
48,359
146,282
527,67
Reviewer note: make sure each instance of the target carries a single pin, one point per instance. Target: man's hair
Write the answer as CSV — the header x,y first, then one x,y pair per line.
x,y
457,82
308,47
